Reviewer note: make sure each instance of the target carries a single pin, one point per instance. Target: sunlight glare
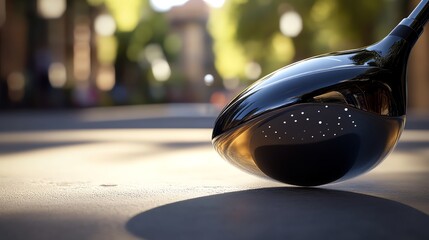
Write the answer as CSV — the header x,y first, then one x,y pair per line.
x,y
215,3
165,5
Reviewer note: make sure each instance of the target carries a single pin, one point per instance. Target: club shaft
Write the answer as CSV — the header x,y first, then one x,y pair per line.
x,y
410,28
420,14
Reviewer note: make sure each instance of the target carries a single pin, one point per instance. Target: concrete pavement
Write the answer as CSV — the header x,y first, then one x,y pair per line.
x,y
74,181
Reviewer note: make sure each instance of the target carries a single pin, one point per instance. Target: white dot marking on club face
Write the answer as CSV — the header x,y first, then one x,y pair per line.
x,y
342,129
307,119
328,129
320,122
304,130
275,131
350,115
284,122
280,137
346,109
335,134
312,136
293,137
318,111
323,135
296,120
291,115
269,126
353,121
326,106
302,113
339,118
355,125
265,135
339,124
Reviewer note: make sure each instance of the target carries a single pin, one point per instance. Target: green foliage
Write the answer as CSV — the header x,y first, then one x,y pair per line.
x,y
151,29
139,26
248,30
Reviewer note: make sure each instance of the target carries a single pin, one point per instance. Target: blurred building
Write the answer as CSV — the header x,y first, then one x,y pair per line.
x,y
46,53
189,21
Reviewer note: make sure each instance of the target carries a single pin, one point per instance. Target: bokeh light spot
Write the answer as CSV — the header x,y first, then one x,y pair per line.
x,y
291,24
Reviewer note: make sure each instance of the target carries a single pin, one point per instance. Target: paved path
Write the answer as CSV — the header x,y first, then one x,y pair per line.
x,y
113,182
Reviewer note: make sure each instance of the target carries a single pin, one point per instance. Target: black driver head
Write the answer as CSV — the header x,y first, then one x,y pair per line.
x,y
320,120
326,118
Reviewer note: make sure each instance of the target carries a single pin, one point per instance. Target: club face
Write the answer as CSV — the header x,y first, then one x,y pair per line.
x,y
262,129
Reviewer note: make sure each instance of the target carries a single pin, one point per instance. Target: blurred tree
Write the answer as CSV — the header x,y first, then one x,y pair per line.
x,y
247,31
138,26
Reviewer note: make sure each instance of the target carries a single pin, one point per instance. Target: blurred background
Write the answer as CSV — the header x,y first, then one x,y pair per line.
x,y
89,53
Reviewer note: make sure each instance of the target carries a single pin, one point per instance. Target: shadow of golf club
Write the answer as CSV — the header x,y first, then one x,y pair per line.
x,y
286,213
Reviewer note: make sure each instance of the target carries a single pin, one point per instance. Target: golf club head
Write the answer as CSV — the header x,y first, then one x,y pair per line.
x,y
320,120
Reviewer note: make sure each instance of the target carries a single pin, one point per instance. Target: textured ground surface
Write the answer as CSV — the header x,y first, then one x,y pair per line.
x,y
118,174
